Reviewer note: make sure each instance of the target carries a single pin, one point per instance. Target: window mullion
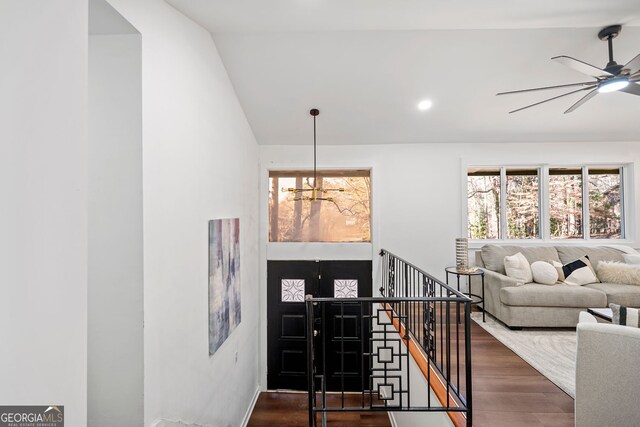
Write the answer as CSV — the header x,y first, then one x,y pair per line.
x,y
623,210
543,203
503,203
586,233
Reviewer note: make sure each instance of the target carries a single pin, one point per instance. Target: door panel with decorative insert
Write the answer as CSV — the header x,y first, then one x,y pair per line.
x,y
340,337
345,333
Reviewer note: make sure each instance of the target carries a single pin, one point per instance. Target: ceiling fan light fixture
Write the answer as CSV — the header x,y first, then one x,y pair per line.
x,y
613,85
612,78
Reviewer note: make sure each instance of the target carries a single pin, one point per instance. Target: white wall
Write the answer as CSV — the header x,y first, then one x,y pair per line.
x,y
418,395
199,162
115,334
43,213
417,188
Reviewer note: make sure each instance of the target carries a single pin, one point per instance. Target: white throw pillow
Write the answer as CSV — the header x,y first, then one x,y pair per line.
x,y
544,273
619,272
517,267
632,259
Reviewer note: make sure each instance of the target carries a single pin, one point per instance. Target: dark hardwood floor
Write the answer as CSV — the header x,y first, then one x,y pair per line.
x,y
507,391
290,409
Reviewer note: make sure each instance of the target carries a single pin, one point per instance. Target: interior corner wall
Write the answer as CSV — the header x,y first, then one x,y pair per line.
x,y
417,189
115,316
43,213
200,162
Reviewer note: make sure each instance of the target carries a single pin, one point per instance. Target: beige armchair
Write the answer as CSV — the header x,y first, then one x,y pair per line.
x,y
607,374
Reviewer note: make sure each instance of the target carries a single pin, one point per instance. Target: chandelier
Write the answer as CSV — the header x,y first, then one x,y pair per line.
x,y
313,193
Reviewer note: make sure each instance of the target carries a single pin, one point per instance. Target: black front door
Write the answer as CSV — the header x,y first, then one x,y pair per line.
x,y
340,339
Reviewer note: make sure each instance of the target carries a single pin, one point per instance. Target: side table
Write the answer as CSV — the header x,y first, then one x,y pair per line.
x,y
475,299
602,313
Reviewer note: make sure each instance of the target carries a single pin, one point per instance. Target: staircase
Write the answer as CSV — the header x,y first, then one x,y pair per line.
x,y
417,326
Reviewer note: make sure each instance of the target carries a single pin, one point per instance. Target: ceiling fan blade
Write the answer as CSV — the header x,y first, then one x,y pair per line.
x,y
551,99
633,66
582,100
632,88
582,67
545,88
634,77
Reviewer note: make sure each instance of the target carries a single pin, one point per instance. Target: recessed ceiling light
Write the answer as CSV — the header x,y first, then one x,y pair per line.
x,y
425,104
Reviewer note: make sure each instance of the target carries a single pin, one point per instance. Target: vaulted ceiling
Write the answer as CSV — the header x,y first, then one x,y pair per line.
x,y
367,63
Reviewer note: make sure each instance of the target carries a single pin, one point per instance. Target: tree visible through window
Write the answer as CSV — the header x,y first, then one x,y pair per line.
x,y
483,203
346,218
522,204
565,203
605,207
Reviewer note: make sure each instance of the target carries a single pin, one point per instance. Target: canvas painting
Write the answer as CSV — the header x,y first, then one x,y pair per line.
x,y
224,280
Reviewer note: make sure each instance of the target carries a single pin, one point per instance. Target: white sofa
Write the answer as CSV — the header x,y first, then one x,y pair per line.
x,y
607,374
536,305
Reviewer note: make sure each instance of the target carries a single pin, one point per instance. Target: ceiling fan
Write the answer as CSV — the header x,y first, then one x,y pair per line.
x,y
612,78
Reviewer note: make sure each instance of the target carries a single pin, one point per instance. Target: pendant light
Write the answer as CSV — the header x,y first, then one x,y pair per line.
x,y
315,193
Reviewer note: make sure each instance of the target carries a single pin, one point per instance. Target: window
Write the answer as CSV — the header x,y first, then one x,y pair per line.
x,y
522,204
605,204
346,218
507,203
483,199
565,203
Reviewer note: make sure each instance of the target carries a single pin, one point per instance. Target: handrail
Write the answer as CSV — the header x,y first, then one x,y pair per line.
x,y
395,299
421,311
454,291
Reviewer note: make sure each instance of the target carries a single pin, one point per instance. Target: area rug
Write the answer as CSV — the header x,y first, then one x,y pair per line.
x,y
551,352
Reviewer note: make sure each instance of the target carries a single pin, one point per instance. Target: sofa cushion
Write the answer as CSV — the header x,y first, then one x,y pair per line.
x,y
633,259
595,254
536,295
493,255
628,295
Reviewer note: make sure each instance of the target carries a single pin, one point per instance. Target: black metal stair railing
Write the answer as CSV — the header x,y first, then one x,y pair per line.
x,y
413,309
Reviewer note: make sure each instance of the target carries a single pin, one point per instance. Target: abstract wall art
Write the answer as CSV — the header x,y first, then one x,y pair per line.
x,y
224,280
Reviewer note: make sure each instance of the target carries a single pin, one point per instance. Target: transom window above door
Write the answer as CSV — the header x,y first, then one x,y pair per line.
x,y
344,218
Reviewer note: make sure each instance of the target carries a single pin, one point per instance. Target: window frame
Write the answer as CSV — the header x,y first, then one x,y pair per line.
x,y
331,172
544,237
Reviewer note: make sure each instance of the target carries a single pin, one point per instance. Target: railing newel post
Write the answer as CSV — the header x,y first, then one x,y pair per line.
x,y
310,365
467,363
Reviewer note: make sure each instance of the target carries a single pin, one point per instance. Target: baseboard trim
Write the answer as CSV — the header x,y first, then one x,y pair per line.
x,y
392,418
165,422
247,415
